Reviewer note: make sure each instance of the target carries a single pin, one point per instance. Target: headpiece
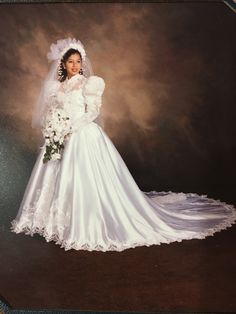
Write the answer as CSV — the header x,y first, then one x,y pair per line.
x,y
60,48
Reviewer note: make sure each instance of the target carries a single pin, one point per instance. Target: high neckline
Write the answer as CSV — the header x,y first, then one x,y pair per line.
x,y
73,78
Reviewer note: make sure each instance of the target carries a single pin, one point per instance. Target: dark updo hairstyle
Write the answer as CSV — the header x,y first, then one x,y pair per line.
x,y
62,73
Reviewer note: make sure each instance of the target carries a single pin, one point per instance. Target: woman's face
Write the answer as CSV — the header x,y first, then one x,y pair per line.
x,y
73,65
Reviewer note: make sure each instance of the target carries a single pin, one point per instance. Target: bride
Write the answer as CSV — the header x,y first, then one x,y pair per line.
x,y
81,194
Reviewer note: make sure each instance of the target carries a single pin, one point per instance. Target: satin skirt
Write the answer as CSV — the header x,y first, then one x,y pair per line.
x,y
89,200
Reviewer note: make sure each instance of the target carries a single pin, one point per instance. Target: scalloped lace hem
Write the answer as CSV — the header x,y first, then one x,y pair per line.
x,y
121,246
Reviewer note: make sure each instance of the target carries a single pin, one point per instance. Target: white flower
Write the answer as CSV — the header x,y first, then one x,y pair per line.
x,y
55,127
56,156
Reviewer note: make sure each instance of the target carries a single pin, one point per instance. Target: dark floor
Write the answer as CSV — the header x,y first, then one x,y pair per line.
x,y
195,275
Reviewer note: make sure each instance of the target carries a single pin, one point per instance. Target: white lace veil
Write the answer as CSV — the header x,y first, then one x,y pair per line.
x,y
51,82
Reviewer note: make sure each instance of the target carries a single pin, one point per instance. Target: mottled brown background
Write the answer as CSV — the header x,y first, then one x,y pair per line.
x,y
169,107
169,102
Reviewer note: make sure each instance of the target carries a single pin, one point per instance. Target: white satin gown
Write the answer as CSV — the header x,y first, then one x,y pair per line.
x,y
89,200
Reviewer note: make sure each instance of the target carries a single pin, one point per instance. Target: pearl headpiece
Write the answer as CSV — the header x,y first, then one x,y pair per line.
x,y
60,48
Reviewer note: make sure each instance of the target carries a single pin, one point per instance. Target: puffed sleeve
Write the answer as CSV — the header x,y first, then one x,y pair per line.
x,y
92,92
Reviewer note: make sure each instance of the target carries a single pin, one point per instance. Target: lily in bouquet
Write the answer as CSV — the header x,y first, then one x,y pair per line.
x,y
55,128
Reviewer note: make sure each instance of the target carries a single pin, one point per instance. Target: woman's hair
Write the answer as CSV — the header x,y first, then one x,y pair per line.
x,y
62,73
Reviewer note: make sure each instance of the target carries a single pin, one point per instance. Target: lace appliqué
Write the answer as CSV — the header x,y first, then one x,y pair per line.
x,y
72,84
51,225
63,221
34,217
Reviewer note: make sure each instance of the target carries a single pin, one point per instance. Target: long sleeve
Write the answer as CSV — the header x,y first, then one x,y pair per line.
x,y
92,93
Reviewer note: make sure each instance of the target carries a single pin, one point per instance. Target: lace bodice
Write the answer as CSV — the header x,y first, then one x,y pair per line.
x,y
81,97
71,98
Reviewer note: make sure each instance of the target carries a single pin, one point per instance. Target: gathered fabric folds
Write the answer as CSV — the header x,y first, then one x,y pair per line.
x,y
89,200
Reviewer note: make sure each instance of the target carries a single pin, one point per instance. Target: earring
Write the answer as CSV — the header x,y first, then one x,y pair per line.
x,y
60,73
81,71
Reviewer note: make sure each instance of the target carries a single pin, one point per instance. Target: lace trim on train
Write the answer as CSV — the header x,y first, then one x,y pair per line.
x,y
166,197
228,222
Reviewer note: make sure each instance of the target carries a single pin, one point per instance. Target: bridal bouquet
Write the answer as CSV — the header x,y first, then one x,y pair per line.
x,y
55,127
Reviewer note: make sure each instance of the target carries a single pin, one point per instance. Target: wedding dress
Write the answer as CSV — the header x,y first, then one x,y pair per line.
x,y
89,200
